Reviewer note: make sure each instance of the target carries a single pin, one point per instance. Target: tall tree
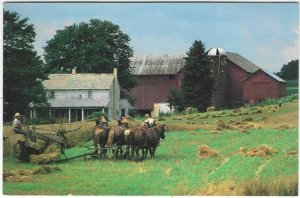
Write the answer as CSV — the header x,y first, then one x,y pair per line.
x,y
198,84
94,47
289,71
175,99
23,69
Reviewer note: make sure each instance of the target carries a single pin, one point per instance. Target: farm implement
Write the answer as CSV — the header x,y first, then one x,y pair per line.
x,y
56,136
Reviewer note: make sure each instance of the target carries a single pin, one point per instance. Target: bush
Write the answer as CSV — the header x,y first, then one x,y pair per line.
x,y
165,114
132,113
32,121
271,101
95,115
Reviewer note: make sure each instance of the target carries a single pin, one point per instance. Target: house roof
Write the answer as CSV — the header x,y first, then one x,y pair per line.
x,y
157,64
124,103
78,81
268,73
242,62
73,102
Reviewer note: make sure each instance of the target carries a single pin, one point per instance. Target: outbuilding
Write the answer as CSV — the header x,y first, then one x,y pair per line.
x,y
262,85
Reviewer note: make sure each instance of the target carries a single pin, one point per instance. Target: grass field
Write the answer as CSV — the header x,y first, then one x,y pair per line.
x,y
177,169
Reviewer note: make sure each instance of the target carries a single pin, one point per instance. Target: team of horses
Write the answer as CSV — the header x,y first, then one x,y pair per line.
x,y
145,138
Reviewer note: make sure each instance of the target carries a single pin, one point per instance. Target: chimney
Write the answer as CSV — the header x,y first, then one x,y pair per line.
x,y
115,72
74,70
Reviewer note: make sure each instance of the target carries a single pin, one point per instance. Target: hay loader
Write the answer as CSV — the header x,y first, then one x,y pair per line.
x,y
23,149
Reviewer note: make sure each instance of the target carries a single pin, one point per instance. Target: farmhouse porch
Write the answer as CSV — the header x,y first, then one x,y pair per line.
x,y
68,114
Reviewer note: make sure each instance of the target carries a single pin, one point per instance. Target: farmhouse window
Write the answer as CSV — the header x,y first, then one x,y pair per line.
x,y
52,94
90,93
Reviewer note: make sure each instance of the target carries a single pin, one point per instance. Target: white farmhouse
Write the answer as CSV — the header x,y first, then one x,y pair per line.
x,y
78,95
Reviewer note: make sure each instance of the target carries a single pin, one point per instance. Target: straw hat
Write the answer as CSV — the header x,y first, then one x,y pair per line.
x,y
147,115
17,115
102,119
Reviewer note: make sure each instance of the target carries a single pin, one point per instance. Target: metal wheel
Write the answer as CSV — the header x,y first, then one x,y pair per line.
x,y
18,148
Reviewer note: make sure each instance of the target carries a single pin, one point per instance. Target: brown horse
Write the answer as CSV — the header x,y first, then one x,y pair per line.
x,y
153,136
135,139
116,137
100,137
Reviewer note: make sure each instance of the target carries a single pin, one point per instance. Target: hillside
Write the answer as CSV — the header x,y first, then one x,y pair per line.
x,y
184,165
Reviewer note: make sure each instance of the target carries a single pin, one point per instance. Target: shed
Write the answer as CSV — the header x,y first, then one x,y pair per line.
x,y
262,85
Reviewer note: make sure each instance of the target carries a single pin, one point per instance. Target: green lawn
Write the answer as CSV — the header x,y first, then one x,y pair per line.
x,y
176,169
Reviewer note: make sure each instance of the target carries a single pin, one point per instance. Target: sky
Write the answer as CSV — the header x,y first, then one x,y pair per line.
x,y
267,34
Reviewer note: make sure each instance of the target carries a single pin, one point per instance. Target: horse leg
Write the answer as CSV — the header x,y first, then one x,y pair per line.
x,y
121,152
143,154
146,153
153,151
132,153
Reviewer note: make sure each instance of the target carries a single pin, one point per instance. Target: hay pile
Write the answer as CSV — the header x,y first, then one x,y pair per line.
x,y
215,132
222,125
244,127
215,116
27,175
51,153
293,153
204,152
283,126
222,113
210,109
204,117
239,110
248,119
258,111
272,108
261,151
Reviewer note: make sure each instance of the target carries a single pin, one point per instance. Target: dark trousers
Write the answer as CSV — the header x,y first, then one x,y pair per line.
x,y
21,131
25,133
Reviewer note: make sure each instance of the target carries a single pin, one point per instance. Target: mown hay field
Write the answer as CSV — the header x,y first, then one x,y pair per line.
x,y
181,167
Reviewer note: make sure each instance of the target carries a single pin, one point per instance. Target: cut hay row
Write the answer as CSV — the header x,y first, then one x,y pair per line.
x,y
279,186
205,152
261,151
27,175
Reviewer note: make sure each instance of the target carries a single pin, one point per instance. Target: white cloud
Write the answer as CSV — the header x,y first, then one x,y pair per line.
x,y
46,32
291,52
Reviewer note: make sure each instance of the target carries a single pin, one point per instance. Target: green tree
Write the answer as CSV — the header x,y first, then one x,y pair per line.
x,y
22,69
94,47
176,99
289,71
198,84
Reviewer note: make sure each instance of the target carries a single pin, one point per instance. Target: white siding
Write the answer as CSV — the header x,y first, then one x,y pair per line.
x,y
96,94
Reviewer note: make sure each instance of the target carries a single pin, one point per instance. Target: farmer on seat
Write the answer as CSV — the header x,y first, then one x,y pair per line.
x,y
17,127
149,121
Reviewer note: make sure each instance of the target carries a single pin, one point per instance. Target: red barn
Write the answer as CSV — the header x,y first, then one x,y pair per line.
x,y
156,76
262,85
234,77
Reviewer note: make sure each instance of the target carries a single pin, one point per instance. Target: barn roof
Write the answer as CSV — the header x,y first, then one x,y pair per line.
x,y
274,76
242,62
157,64
78,81
172,64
